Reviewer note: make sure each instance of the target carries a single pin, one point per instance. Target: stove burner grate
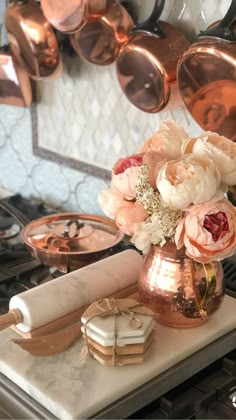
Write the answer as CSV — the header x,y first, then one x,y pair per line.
x,y
229,267
210,394
10,232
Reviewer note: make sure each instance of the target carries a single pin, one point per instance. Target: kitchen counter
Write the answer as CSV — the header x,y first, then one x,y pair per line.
x,y
71,386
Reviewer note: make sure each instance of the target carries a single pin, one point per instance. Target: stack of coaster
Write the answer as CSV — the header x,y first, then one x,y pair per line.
x,y
118,331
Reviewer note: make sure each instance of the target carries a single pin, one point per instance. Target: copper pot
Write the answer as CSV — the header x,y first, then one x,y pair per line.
x,y
32,40
15,86
146,66
100,39
70,16
70,240
207,77
67,240
181,291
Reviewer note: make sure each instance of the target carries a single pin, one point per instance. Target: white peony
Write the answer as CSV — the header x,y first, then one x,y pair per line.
x,y
218,148
188,180
167,141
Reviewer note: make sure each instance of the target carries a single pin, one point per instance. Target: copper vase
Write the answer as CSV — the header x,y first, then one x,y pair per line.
x,y
181,291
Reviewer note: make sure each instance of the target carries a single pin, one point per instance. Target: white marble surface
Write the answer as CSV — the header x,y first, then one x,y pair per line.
x,y
73,388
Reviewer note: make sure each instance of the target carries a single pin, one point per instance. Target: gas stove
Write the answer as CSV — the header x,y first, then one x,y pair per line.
x,y
210,394
19,271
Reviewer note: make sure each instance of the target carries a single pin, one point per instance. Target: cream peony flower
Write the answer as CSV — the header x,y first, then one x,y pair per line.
x,y
109,201
208,231
167,141
188,180
218,148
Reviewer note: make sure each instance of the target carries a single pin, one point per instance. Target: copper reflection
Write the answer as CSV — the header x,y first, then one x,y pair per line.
x,y
47,241
70,16
100,39
207,83
66,16
15,87
182,292
146,68
32,39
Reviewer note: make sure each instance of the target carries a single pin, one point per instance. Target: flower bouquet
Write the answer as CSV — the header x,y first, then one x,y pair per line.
x,y
174,198
177,188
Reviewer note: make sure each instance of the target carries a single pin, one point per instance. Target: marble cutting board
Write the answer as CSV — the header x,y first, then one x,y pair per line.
x,y
72,386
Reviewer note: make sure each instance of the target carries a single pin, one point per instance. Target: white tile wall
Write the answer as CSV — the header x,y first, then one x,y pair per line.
x,y
85,116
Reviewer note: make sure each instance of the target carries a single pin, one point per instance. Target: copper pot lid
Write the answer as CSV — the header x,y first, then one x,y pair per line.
x,y
207,76
71,234
66,16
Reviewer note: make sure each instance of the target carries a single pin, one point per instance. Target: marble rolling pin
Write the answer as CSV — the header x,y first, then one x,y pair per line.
x,y
61,296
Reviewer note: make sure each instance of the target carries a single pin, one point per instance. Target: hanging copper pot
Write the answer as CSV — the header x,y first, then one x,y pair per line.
x,y
15,86
32,39
70,16
146,66
100,39
207,77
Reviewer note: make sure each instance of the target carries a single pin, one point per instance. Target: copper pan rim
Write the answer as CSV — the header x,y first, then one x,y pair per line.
x,y
100,220
216,52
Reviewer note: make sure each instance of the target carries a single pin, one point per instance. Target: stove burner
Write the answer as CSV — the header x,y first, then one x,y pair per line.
x,y
6,222
9,232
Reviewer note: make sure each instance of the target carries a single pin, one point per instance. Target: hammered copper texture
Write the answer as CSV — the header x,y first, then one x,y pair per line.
x,y
182,292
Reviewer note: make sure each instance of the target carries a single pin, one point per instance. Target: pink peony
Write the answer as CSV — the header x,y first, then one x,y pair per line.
x,y
208,231
167,141
154,161
127,170
128,215
125,174
109,201
188,180
218,148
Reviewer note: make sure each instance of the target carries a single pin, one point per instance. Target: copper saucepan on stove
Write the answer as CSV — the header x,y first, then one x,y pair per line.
x,y
207,77
69,16
70,240
100,39
32,40
146,65
67,241
15,86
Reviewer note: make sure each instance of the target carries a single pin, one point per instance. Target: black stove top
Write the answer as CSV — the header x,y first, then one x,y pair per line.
x,y
210,394
19,271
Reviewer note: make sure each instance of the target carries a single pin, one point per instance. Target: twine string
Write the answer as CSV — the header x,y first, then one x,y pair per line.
x,y
110,307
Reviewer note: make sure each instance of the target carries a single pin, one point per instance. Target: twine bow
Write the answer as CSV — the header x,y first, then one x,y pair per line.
x,y
116,307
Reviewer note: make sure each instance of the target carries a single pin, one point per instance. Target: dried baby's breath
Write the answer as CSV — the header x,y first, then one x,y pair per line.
x,y
146,195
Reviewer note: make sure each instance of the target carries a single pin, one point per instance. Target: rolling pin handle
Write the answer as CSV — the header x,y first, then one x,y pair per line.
x,y
13,317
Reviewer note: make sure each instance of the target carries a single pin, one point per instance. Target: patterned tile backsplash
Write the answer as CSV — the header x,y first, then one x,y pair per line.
x,y
85,118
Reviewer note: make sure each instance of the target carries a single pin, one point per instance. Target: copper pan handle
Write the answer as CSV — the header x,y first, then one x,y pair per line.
x,y
222,30
151,26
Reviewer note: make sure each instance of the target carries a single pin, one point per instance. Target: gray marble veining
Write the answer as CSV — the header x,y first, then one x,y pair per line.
x,y
74,386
